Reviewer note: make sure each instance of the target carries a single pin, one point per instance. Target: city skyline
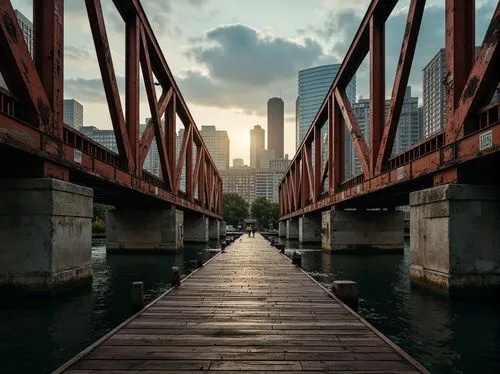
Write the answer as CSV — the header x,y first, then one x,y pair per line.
x,y
230,89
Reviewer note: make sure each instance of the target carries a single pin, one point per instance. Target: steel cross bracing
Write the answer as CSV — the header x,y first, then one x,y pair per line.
x,y
31,115
472,131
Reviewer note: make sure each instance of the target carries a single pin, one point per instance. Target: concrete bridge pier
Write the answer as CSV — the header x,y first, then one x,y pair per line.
x,y
144,230
455,238
45,236
282,229
310,228
222,229
374,231
213,229
292,229
196,228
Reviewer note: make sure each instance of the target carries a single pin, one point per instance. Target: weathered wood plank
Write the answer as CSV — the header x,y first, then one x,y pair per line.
x,y
248,310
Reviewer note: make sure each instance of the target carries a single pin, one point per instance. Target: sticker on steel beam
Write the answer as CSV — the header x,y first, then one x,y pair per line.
x,y
358,188
156,191
77,156
486,140
400,172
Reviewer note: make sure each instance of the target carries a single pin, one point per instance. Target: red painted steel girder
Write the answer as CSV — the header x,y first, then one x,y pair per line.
x,y
438,156
40,85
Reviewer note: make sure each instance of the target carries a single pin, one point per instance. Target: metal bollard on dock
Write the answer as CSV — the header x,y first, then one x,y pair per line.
x,y
199,259
297,258
176,276
137,292
347,291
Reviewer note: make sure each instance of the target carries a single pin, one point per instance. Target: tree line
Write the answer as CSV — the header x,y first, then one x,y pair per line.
x,y
236,209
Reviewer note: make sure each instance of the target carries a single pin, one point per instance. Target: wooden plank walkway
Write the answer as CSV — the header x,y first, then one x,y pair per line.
x,y
249,309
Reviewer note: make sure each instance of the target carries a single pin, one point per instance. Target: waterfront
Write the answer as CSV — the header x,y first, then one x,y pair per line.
x,y
447,336
38,335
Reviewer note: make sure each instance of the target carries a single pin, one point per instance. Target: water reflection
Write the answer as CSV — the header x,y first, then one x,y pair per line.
x,y
447,336
39,335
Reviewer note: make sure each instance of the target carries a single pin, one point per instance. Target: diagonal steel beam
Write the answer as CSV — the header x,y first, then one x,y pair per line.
x,y
413,23
98,28
358,139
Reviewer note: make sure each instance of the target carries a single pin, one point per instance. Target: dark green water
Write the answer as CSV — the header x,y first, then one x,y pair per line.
x,y
446,336
37,336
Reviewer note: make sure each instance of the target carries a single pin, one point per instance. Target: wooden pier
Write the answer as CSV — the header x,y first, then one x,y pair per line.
x,y
249,309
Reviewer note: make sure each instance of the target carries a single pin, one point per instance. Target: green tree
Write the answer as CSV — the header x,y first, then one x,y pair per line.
x,y
235,209
100,212
265,212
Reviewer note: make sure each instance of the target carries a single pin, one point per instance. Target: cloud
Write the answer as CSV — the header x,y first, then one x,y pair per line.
x,y
241,54
243,66
77,54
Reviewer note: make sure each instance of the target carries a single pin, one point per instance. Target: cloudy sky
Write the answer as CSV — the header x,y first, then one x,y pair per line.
x,y
230,56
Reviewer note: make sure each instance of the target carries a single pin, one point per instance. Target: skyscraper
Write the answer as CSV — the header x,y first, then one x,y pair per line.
x,y
27,29
434,94
257,135
217,143
73,114
275,126
314,84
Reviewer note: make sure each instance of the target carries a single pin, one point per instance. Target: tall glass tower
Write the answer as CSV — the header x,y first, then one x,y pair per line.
x,y
314,84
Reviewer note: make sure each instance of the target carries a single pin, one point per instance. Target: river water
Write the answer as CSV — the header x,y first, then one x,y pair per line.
x,y
447,336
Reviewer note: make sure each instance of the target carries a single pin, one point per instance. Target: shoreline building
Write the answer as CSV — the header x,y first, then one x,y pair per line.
x,y
217,142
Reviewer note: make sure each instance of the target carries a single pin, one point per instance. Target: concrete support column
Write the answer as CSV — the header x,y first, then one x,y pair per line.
x,y
144,230
292,229
213,229
195,228
282,229
373,231
455,238
45,235
310,228
222,229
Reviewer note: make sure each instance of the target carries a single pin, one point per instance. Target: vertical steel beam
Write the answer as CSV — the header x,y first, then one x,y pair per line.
x,y
481,83
413,22
337,145
460,56
48,25
132,43
377,87
317,163
189,166
170,134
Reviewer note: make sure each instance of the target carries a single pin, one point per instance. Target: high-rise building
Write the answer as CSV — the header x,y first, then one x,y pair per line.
x,y
73,114
257,135
106,138
266,156
409,127
217,143
275,125
238,163
313,86
434,94
251,183
27,29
